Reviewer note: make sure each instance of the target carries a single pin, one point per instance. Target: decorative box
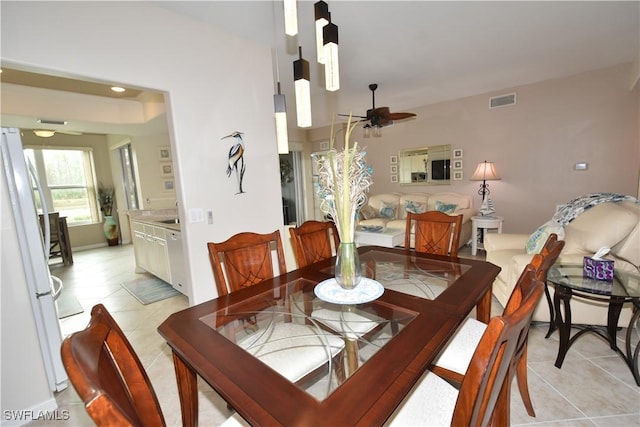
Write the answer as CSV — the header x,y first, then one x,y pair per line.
x,y
598,269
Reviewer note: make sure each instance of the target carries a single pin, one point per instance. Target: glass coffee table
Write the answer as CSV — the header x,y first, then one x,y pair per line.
x,y
386,237
569,281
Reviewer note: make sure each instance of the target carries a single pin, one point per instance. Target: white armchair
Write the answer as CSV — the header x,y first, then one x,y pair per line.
x,y
615,225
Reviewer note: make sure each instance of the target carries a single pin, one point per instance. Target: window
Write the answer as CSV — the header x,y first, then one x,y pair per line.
x,y
128,177
67,179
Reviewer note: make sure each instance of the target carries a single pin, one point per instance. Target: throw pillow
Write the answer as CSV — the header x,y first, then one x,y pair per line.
x,y
368,212
388,210
415,207
447,208
539,237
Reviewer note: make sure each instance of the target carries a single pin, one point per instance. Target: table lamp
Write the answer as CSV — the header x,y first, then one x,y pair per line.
x,y
486,171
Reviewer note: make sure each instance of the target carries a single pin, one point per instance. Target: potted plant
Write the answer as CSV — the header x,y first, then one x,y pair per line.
x,y
110,226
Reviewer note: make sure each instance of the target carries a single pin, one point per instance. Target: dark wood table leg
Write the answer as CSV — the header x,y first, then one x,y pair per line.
x,y
552,313
483,308
188,391
632,356
562,295
613,315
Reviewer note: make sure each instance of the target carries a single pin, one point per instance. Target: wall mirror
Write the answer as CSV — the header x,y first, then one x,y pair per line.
x,y
426,165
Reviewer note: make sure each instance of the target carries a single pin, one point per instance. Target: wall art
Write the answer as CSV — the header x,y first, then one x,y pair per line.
x,y
236,163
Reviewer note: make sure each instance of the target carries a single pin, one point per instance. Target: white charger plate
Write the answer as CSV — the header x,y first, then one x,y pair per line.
x,y
367,290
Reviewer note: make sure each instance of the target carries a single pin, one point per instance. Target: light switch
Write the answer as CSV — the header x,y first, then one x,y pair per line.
x,y
196,215
582,166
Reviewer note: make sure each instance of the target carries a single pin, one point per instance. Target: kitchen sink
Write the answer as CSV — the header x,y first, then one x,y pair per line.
x,y
170,221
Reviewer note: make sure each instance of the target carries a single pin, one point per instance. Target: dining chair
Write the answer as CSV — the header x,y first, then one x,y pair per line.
x,y
483,395
108,376
297,351
244,260
314,241
453,362
434,233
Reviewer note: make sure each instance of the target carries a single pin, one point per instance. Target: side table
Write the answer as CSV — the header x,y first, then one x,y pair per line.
x,y
483,223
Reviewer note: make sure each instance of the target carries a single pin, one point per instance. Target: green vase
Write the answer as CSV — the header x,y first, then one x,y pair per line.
x,y
110,228
348,270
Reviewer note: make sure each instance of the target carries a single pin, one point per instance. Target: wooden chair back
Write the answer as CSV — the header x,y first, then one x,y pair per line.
x,y
434,233
312,241
55,234
108,376
483,397
244,260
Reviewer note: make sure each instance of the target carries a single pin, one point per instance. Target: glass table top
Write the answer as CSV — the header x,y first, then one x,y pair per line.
x,y
297,334
624,284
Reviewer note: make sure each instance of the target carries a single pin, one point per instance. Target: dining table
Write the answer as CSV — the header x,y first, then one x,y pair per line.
x,y
393,325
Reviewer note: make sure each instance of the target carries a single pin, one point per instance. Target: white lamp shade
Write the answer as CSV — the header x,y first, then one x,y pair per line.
x,y
282,135
486,171
303,102
331,67
290,17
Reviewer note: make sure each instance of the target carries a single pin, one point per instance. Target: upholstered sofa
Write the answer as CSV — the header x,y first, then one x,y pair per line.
x,y
389,210
613,224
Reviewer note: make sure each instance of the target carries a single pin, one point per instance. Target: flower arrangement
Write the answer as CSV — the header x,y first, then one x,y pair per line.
x,y
344,179
105,197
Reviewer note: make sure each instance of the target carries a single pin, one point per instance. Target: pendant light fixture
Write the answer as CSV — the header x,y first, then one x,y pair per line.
x,y
322,17
290,17
282,135
302,84
331,66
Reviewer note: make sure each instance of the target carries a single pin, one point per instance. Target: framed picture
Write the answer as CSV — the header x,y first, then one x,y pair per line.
x,y
394,178
457,164
393,160
168,185
457,175
164,153
166,169
457,153
394,169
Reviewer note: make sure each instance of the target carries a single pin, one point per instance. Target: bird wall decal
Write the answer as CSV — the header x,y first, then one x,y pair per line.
x,y
236,158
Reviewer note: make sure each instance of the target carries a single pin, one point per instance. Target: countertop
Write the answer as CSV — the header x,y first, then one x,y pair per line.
x,y
158,218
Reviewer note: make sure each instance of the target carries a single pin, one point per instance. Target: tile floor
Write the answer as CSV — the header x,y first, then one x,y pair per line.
x,y
593,388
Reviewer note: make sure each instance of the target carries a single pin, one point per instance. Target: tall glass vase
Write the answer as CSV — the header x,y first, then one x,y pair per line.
x,y
348,270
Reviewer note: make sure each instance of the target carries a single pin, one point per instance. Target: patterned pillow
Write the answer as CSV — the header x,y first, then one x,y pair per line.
x,y
539,237
415,207
368,212
388,210
447,208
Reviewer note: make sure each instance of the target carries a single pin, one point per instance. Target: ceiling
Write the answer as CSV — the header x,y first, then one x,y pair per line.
x,y
424,52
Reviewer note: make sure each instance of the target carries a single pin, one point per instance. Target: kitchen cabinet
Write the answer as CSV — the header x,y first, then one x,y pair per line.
x,y
176,260
150,249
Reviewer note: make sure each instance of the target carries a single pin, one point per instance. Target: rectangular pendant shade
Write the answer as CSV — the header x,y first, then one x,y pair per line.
x,y
331,66
301,76
290,17
322,18
282,135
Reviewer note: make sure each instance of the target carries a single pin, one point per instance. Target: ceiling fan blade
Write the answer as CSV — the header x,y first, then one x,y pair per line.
x,y
400,116
69,132
352,115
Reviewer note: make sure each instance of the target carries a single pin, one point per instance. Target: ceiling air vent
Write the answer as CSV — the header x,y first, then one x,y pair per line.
x,y
52,122
502,100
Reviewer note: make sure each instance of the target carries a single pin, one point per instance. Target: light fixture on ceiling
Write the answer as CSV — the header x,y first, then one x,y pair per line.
x,y
301,76
331,66
290,17
486,171
118,89
322,17
282,134
44,133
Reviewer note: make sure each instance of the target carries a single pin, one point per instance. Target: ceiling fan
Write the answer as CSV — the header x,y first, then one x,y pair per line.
x,y
381,116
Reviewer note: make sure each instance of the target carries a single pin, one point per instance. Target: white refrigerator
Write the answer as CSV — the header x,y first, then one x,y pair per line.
x,y
39,280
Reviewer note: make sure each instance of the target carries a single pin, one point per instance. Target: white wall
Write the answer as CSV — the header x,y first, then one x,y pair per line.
x,y
216,84
592,117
